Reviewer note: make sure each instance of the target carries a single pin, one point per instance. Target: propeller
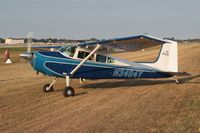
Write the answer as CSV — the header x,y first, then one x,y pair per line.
x,y
28,55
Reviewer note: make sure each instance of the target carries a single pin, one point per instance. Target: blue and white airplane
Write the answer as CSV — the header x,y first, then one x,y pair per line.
x,y
83,61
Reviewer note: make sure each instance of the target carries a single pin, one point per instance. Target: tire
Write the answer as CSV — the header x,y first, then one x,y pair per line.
x,y
68,91
44,88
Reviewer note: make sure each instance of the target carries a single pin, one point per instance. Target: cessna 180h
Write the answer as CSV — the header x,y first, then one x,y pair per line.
x,y
83,61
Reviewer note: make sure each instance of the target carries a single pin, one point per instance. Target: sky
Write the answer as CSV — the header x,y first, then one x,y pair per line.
x,y
102,19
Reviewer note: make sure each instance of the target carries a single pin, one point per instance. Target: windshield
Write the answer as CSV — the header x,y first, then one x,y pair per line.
x,y
68,50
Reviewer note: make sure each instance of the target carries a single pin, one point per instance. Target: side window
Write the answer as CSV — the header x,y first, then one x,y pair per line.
x,y
83,55
110,60
101,58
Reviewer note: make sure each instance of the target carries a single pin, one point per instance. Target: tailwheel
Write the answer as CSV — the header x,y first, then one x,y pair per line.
x,y
177,81
47,89
68,91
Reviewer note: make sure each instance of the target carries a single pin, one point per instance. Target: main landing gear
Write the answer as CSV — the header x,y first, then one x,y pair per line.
x,y
68,90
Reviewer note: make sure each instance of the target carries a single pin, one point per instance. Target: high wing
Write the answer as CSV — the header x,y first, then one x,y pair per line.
x,y
129,43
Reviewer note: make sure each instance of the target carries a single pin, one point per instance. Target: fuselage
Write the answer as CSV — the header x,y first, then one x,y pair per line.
x,y
56,64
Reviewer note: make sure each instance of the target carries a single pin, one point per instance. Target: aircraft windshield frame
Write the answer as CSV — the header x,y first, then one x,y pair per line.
x,y
68,50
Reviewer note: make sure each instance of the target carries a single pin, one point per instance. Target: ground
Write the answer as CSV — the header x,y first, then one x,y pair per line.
x,y
153,105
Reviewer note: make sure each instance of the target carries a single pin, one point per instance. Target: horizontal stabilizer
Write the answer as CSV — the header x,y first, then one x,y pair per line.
x,y
178,73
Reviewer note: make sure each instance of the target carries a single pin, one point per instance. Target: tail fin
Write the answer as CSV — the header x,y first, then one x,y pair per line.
x,y
168,58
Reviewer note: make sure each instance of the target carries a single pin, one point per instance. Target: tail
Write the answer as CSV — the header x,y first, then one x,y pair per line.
x,y
167,60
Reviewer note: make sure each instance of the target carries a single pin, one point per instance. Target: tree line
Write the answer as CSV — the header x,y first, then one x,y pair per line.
x,y
52,40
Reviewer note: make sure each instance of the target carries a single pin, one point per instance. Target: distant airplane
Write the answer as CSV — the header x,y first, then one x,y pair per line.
x,y
83,61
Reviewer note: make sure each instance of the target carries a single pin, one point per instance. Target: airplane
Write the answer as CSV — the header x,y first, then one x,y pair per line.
x,y
84,61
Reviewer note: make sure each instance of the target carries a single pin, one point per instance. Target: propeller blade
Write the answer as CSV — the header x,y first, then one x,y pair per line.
x,y
29,37
27,56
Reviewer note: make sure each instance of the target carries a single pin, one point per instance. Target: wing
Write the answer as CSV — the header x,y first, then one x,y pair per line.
x,y
129,43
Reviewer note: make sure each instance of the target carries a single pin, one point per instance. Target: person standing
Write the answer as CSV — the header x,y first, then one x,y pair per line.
x,y
7,54
7,57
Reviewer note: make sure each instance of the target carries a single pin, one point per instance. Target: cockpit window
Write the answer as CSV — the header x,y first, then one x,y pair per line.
x,y
68,50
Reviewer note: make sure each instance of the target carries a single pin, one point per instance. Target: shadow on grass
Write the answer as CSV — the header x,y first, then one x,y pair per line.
x,y
137,82
76,93
81,93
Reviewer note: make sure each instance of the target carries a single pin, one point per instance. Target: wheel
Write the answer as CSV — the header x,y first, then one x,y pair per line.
x,y
68,91
46,88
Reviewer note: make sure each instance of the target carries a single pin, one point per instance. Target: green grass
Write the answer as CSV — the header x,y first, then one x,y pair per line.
x,y
13,49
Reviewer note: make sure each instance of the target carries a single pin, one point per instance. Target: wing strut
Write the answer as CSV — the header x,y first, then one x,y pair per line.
x,y
83,61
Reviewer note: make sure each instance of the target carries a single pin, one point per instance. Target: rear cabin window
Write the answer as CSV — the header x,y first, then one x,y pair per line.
x,y
110,60
101,58
83,55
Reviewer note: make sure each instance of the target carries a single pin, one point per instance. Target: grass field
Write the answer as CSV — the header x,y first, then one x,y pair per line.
x,y
153,105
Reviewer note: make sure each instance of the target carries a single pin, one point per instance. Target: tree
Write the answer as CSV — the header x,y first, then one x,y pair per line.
x,y
2,40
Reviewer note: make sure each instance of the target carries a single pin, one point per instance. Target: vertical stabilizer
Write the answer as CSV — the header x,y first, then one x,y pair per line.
x,y
167,59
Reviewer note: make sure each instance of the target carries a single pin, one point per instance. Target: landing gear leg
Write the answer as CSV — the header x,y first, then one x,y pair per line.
x,y
177,82
81,80
49,87
68,90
